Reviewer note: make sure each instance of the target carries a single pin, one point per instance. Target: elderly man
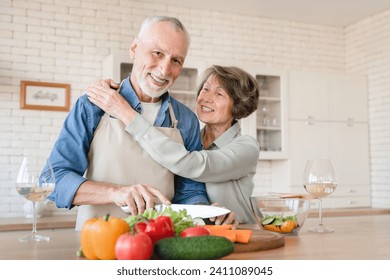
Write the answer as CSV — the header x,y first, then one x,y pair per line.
x,y
97,164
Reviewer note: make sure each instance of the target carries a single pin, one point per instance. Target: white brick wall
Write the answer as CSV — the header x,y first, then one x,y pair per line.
x,y
368,52
66,42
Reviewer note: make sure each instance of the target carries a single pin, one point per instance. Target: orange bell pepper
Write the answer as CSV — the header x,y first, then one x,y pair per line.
x,y
99,235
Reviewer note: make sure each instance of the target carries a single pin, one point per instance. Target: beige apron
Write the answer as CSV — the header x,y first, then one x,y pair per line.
x,y
115,157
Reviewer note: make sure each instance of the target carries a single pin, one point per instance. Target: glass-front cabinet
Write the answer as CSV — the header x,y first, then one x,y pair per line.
x,y
268,123
184,88
268,117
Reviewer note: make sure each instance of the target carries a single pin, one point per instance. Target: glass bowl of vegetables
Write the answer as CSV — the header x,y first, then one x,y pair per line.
x,y
281,213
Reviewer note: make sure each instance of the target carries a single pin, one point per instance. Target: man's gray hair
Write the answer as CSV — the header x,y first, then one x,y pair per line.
x,y
176,23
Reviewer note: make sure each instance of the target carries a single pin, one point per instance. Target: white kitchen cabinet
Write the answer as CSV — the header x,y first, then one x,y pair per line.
x,y
329,97
346,148
308,96
307,141
343,143
347,98
350,153
327,119
337,201
269,123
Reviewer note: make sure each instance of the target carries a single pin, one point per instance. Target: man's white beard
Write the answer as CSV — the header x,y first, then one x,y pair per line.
x,y
153,93
150,91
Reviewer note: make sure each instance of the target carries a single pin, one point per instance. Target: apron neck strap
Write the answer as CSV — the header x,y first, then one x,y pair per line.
x,y
173,117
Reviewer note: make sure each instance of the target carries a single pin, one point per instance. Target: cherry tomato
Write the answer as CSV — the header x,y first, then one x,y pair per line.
x,y
194,231
133,247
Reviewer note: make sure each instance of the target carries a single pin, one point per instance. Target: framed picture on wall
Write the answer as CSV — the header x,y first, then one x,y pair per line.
x,y
44,96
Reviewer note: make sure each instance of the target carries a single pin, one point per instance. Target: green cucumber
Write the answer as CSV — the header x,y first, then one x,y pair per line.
x,y
193,248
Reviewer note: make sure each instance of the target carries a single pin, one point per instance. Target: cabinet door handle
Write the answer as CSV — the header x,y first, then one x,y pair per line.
x,y
309,120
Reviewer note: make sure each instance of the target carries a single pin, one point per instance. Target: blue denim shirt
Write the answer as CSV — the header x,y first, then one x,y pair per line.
x,y
69,154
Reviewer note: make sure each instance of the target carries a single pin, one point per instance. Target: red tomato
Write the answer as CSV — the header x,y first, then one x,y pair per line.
x,y
194,231
133,247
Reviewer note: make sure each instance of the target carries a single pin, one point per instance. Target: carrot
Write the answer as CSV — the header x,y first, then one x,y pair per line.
x,y
234,235
243,235
218,227
272,228
227,233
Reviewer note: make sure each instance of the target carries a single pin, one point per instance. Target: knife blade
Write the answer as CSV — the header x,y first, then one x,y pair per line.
x,y
195,211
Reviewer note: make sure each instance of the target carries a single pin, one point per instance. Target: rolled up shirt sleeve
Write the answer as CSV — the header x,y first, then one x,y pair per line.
x,y
69,154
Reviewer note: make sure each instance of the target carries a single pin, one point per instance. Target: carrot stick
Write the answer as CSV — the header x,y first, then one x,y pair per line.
x,y
227,233
234,235
218,227
243,235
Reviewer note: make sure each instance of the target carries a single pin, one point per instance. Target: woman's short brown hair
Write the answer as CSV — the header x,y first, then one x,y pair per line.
x,y
240,85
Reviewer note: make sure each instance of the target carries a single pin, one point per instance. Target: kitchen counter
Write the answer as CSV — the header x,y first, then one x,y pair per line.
x,y
363,237
69,221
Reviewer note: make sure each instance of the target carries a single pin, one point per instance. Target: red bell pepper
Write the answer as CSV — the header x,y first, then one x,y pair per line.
x,y
140,227
161,227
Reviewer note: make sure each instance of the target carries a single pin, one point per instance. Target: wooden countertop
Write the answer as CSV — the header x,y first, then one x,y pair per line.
x,y
50,222
364,237
69,221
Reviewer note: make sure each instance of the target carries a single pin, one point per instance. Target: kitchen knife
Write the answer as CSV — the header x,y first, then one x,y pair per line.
x,y
195,211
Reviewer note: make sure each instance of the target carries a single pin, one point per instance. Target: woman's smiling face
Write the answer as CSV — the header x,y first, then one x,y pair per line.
x,y
214,104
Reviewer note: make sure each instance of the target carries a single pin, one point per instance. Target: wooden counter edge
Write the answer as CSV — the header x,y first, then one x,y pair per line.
x,y
49,222
69,221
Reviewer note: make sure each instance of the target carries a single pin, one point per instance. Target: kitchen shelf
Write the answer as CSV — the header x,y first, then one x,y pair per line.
x,y
269,99
184,88
273,128
183,92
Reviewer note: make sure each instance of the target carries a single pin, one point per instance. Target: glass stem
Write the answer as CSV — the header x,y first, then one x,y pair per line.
x,y
320,210
34,207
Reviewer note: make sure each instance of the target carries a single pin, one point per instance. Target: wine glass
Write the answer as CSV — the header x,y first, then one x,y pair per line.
x,y
320,181
35,182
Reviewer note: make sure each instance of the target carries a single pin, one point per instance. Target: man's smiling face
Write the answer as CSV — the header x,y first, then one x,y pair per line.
x,y
158,56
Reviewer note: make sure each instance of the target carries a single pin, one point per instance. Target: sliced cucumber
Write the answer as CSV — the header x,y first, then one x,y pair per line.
x,y
198,221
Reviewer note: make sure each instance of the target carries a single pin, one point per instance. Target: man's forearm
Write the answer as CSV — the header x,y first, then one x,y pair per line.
x,y
93,193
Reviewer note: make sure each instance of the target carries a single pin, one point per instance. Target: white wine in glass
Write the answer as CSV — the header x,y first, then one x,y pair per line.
x,y
35,182
320,181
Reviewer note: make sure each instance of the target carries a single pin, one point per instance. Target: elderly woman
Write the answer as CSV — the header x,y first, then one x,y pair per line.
x,y
228,160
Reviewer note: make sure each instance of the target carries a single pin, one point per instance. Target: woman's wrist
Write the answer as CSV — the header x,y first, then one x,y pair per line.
x,y
128,116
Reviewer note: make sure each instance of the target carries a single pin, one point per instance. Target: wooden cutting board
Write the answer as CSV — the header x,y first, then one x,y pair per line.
x,y
260,240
